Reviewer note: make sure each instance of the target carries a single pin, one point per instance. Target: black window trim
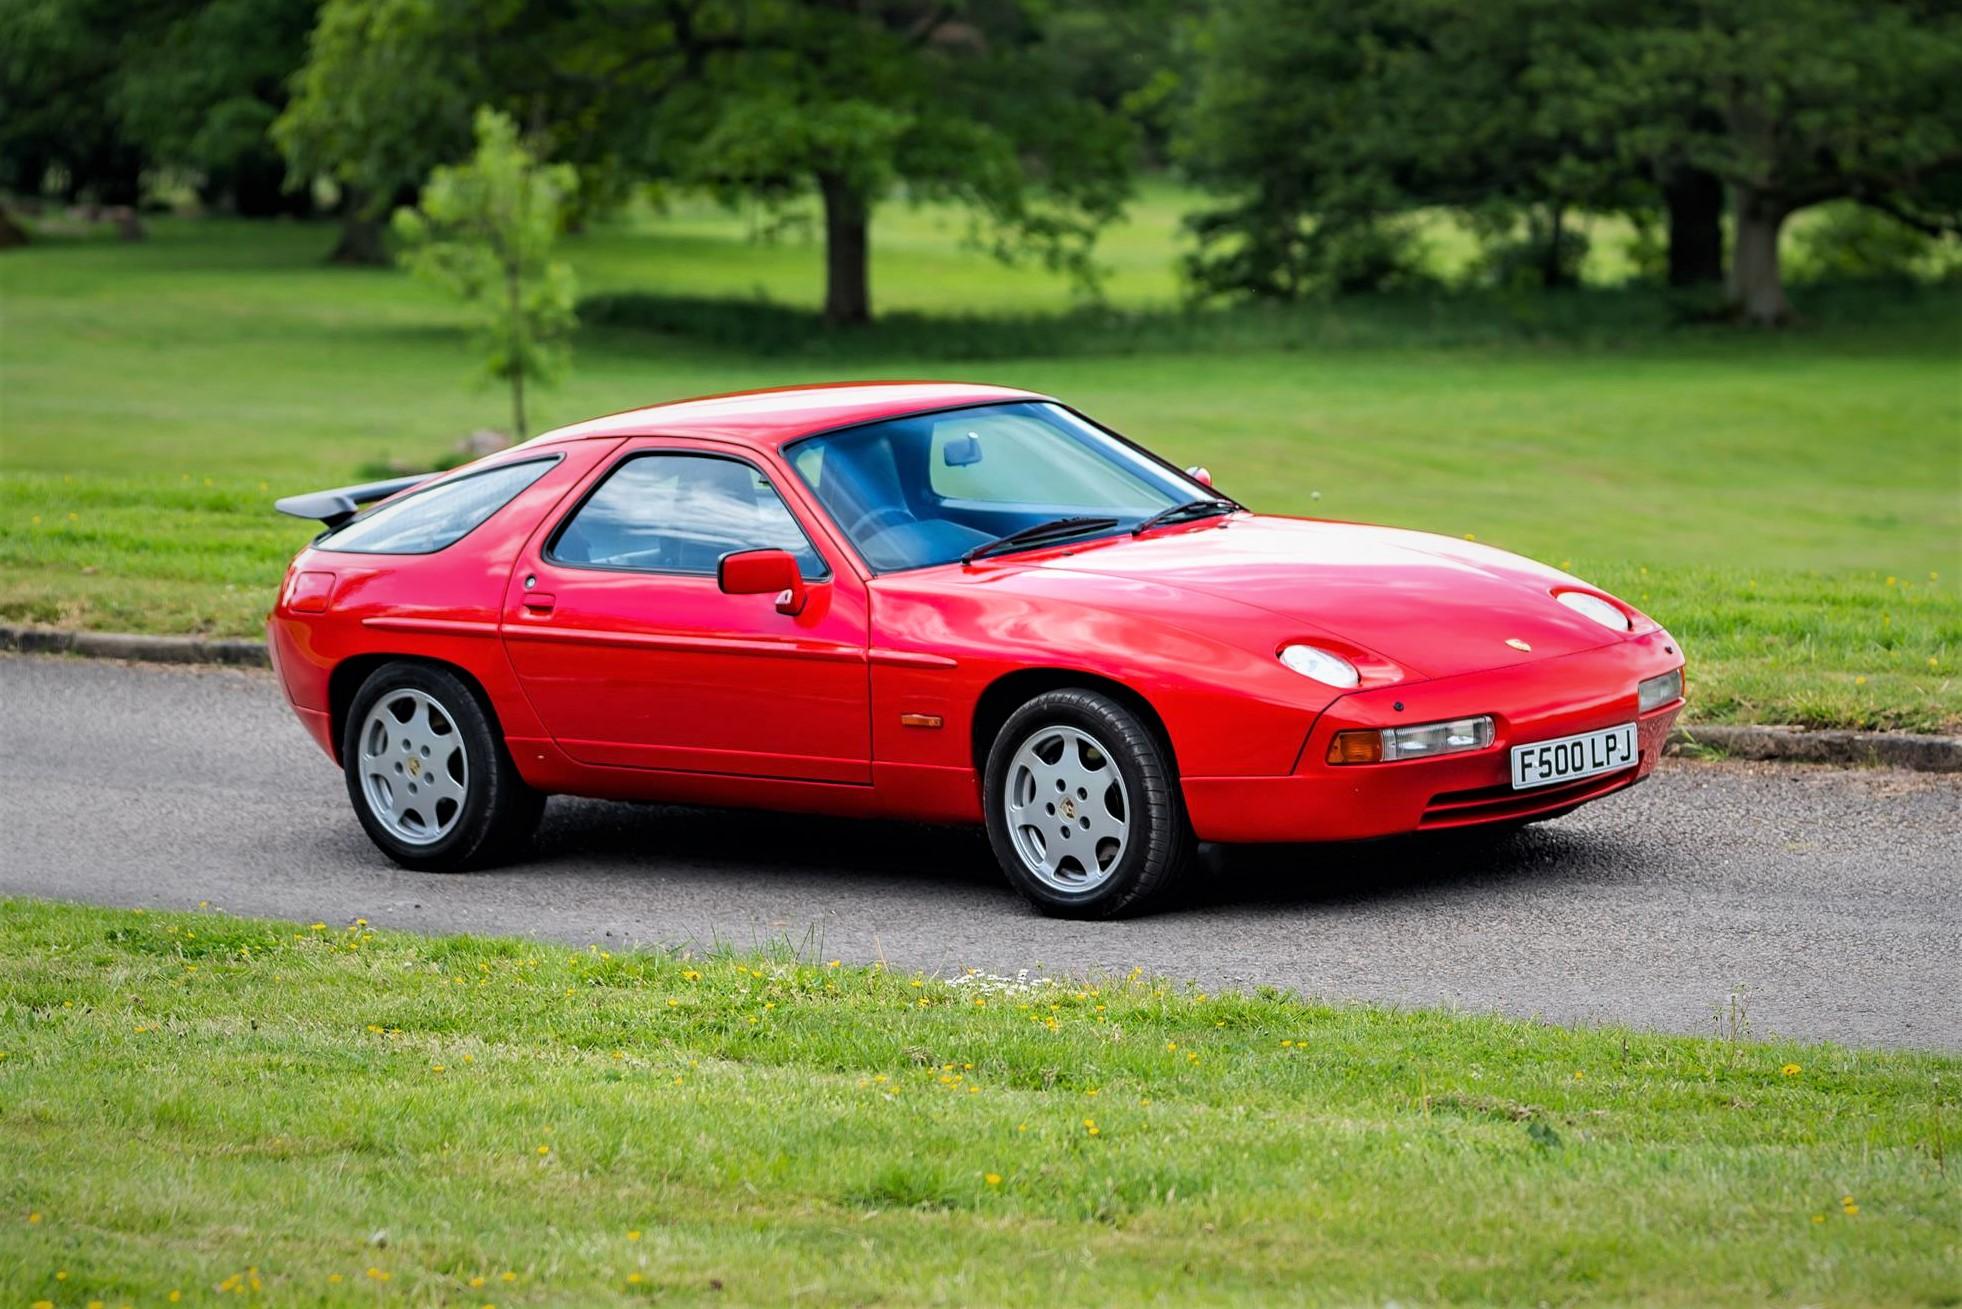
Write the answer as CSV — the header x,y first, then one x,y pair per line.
x,y
789,459
550,553
326,540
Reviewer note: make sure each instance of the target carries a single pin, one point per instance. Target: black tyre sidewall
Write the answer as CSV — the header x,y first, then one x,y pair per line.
x,y
1160,845
498,808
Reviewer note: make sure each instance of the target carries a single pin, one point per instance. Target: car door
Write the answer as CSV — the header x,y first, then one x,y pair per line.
x,y
632,656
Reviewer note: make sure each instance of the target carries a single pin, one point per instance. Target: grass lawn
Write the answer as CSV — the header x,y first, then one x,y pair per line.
x,y
324,1114
1790,505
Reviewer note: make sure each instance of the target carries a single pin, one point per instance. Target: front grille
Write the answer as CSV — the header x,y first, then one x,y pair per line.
x,y
1496,803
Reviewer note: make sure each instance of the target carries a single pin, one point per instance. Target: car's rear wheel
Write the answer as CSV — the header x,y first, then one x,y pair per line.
x,y
429,774
1083,807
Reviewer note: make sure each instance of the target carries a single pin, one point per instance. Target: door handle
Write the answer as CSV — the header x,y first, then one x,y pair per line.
x,y
538,604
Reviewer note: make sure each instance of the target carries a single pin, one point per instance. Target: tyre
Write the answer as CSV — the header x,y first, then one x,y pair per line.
x,y
1083,806
429,774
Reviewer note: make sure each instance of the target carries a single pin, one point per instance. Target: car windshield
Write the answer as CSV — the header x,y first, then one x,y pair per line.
x,y
926,489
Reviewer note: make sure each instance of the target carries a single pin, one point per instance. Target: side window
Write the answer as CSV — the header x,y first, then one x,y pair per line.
x,y
426,521
680,513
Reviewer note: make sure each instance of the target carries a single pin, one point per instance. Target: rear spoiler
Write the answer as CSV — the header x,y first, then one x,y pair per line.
x,y
343,502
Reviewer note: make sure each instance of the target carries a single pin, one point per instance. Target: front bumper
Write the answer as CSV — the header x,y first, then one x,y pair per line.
x,y
1530,702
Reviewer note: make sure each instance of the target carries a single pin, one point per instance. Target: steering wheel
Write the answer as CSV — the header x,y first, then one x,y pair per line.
x,y
869,523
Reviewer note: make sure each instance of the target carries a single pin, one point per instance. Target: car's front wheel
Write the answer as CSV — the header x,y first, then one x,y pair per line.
x,y
429,774
1083,807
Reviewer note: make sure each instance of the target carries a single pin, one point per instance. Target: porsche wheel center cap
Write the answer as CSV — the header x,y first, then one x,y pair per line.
x,y
1068,807
415,766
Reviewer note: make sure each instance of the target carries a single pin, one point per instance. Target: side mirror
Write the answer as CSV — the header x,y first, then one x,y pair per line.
x,y
763,572
1200,474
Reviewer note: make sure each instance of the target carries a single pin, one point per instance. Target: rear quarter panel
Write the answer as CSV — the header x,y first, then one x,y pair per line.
x,y
443,606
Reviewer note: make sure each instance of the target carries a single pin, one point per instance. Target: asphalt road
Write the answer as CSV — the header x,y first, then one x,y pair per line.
x,y
1830,901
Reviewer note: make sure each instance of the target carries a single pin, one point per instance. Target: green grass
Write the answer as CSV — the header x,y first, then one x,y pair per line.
x,y
1756,492
191,1101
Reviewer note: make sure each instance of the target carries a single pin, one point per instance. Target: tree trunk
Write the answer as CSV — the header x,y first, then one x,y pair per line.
x,y
360,241
1757,286
514,292
847,283
1696,228
11,233
1553,276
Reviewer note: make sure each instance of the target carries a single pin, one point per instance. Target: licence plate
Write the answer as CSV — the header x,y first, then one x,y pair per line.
x,y
1571,757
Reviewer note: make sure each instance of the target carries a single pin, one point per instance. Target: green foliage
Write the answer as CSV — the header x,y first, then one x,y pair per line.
x,y
1307,115
486,229
1850,242
1316,121
99,92
385,95
957,102
323,1113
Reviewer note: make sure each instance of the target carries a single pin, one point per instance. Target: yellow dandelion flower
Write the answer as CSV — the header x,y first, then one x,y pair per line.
x,y
333,1279
508,1276
544,1150
1579,1075
43,1304
1933,662
1818,1218
633,1236
1790,1070
437,1068
834,963
1860,681
1851,1210
34,1218
992,1179
1171,1045
174,1296
61,1274
633,1279
377,1274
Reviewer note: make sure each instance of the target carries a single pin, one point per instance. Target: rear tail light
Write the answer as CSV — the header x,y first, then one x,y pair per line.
x,y
1423,741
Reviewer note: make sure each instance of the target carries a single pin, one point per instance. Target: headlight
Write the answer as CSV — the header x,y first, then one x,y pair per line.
x,y
1594,607
1419,742
1331,670
1655,692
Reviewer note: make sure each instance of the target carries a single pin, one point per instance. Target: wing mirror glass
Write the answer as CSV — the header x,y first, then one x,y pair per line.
x,y
962,451
1200,474
763,572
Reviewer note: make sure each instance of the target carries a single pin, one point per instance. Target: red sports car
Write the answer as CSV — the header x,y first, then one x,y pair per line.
x,y
948,603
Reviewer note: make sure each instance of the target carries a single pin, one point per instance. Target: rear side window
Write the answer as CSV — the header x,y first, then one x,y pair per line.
x,y
427,521
680,513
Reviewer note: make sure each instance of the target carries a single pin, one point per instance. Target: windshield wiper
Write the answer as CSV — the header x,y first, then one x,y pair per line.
x,y
1056,529
1190,509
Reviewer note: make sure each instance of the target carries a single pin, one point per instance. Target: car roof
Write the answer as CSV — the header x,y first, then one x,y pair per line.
x,y
775,415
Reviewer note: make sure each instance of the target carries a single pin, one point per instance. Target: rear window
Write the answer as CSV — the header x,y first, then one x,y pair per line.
x,y
424,522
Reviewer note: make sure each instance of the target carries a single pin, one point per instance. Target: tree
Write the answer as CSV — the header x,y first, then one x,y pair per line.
x,y
854,99
202,90
1796,102
1318,122
94,95
486,229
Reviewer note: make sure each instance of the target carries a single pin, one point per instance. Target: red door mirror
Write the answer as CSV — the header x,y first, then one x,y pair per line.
x,y
763,572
